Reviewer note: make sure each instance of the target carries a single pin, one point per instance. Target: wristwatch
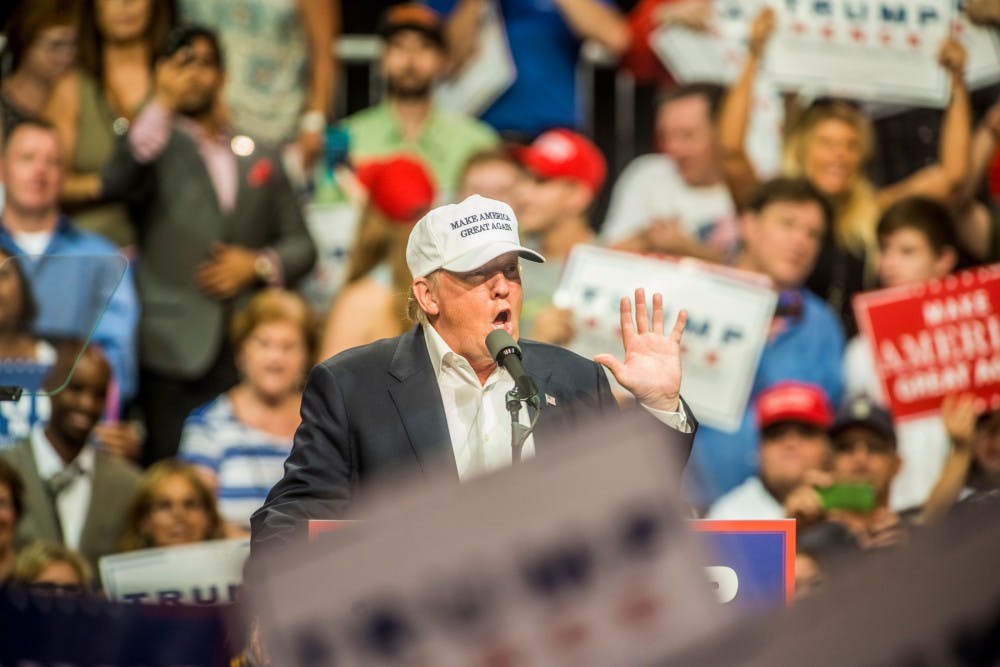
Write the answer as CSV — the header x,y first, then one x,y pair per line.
x,y
264,268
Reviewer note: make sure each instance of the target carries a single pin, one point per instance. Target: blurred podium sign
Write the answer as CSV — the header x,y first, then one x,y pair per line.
x,y
935,339
751,563
205,573
729,313
578,556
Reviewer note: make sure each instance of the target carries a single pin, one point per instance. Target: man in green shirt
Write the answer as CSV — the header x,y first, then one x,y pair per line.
x,y
407,120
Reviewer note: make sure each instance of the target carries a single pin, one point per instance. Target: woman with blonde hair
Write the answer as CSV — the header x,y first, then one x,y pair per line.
x,y
239,440
828,144
172,505
52,568
373,303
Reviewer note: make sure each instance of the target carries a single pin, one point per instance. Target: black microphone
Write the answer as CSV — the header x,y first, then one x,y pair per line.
x,y
503,348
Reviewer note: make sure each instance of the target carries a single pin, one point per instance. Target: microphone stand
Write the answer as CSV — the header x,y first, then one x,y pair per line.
x,y
519,432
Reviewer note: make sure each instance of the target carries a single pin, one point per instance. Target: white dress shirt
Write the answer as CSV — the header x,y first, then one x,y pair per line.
x,y
478,421
73,500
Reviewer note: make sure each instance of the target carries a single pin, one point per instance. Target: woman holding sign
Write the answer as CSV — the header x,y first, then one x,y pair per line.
x,y
829,144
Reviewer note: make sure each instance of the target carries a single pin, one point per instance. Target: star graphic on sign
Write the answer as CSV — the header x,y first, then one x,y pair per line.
x,y
914,40
857,34
885,38
957,28
799,28
827,32
711,358
591,322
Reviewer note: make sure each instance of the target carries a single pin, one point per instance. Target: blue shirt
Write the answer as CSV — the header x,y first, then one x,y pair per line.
x,y
545,54
809,349
246,462
78,283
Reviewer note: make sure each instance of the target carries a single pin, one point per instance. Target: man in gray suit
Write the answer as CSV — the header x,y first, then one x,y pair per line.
x,y
217,219
74,494
435,397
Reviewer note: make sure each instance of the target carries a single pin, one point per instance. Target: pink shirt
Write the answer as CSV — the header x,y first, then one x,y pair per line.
x,y
150,133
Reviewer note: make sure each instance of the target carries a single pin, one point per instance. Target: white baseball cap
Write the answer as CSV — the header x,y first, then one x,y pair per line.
x,y
464,236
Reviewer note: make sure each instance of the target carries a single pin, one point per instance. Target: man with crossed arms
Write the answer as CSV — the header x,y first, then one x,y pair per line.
x,y
434,397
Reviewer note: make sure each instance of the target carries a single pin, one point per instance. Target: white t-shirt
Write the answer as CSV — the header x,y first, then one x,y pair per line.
x,y
922,444
33,243
650,187
748,501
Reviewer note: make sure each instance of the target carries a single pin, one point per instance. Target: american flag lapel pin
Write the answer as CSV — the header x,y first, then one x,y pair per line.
x,y
549,399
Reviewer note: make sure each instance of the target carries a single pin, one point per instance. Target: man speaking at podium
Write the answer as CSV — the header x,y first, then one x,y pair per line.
x,y
436,396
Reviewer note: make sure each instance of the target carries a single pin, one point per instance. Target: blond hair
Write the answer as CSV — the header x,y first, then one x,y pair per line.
x,y
856,211
37,556
379,240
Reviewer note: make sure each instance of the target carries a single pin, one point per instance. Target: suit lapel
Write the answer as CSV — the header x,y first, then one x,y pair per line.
x,y
243,193
418,402
97,512
556,411
44,524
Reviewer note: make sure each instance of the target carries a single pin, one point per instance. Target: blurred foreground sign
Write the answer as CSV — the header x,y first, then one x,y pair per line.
x,y
729,313
206,573
576,557
935,339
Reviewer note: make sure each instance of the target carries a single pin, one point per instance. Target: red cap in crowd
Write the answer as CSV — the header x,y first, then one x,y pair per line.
x,y
400,187
794,402
565,154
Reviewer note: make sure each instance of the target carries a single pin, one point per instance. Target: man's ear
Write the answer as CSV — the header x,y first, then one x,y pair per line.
x,y
423,291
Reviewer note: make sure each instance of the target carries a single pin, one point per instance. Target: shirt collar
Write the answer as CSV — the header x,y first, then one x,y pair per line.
x,y
443,357
48,460
197,133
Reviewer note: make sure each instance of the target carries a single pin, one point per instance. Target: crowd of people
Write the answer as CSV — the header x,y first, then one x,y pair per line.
x,y
158,160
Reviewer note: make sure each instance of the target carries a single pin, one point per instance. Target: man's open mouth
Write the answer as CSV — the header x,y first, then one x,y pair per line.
x,y
502,319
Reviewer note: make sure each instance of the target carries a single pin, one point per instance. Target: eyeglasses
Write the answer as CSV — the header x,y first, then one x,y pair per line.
x,y
52,588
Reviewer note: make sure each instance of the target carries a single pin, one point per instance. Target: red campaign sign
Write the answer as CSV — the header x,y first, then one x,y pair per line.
x,y
935,339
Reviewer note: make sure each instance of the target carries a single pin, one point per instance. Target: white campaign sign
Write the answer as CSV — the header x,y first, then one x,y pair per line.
x,y
879,50
204,573
717,56
578,556
487,74
333,228
728,317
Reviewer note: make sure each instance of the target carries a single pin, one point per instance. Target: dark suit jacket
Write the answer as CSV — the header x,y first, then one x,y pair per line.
x,y
178,218
374,411
113,486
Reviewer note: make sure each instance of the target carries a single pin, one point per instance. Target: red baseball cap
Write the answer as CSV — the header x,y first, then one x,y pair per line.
x,y
565,154
400,187
794,402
